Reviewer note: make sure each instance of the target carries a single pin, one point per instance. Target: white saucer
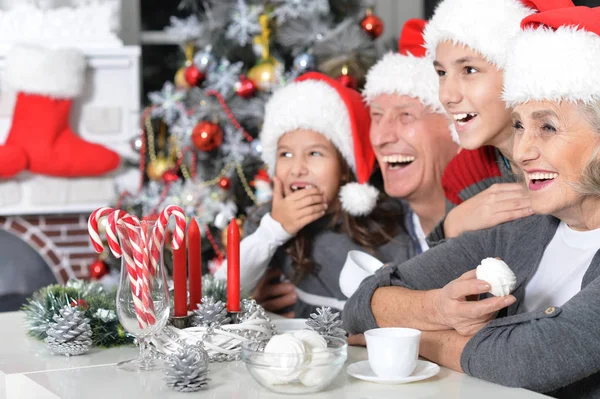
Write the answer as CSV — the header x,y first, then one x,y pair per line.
x,y
362,370
289,325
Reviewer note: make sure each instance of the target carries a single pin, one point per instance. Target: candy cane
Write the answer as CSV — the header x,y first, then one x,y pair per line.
x,y
137,266
158,233
93,228
134,283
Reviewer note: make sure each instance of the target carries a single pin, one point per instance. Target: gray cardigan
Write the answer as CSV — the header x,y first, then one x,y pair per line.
x,y
554,351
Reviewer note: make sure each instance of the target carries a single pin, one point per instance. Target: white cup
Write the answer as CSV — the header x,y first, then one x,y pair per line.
x,y
359,265
393,352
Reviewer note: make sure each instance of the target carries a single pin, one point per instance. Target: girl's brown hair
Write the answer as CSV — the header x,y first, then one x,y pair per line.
x,y
370,231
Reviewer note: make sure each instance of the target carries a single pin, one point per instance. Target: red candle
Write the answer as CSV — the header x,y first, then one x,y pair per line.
x,y
194,264
179,281
233,267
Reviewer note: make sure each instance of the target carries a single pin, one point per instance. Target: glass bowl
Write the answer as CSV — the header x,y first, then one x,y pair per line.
x,y
295,373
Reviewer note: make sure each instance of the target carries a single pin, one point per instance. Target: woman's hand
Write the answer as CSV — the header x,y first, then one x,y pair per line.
x,y
498,204
274,295
298,209
458,307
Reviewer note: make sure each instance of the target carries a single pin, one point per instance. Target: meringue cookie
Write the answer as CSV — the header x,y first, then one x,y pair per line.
x,y
318,371
286,368
498,275
311,338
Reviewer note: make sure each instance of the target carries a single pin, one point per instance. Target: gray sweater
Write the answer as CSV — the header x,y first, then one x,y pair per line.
x,y
555,351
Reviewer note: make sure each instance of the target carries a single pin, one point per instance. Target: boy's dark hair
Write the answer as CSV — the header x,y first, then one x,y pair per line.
x,y
370,231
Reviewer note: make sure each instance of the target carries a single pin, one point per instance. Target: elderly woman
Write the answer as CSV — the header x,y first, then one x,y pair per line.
x,y
545,336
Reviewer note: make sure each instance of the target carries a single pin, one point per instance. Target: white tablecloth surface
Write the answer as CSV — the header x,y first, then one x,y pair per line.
x,y
29,370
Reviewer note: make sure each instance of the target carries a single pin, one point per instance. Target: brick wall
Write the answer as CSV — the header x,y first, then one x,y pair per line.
x,y
62,241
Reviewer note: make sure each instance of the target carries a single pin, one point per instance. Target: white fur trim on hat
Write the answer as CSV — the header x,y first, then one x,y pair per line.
x,y
533,74
358,199
37,70
311,105
404,75
407,75
485,26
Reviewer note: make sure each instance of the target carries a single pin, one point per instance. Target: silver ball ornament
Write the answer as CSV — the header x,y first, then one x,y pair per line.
x,y
204,60
136,144
304,62
256,147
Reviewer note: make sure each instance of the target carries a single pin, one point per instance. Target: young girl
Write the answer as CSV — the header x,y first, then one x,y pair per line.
x,y
316,146
469,40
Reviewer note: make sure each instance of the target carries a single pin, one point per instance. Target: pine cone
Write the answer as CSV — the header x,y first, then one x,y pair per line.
x,y
210,313
325,323
187,369
70,333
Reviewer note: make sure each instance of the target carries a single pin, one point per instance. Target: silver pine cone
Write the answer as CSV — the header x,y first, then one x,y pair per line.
x,y
70,333
326,323
187,369
210,313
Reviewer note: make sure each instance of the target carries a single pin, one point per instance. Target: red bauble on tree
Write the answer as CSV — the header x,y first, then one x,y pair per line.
x,y
372,25
98,269
193,76
224,183
170,176
207,136
245,88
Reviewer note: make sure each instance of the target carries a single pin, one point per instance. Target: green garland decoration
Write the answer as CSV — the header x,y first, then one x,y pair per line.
x,y
99,306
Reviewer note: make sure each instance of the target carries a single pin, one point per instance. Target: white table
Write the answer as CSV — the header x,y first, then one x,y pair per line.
x,y
29,370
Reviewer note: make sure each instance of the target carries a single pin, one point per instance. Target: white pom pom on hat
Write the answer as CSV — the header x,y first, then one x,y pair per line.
x,y
317,102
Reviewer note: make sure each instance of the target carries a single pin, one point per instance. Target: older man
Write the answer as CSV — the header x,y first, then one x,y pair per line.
x,y
410,131
413,143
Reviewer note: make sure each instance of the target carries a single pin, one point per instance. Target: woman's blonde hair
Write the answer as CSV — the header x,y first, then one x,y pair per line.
x,y
590,178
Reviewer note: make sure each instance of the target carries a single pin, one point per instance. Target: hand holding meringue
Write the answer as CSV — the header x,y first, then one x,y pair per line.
x,y
498,275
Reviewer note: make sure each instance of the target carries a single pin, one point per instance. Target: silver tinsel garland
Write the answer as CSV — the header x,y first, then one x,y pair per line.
x,y
326,323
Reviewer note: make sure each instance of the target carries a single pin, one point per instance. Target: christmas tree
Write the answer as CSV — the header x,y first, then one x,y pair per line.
x,y
199,147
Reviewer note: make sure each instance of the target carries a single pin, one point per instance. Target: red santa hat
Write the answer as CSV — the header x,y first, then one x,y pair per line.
x,y
556,57
408,72
316,102
485,26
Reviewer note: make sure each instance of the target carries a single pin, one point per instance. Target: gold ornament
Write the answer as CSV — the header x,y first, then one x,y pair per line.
x,y
159,162
180,81
157,168
263,75
240,222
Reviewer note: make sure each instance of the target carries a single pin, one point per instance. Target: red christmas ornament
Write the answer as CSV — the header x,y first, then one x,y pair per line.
x,y
224,183
170,176
348,81
193,76
372,25
245,88
207,136
98,269
82,303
